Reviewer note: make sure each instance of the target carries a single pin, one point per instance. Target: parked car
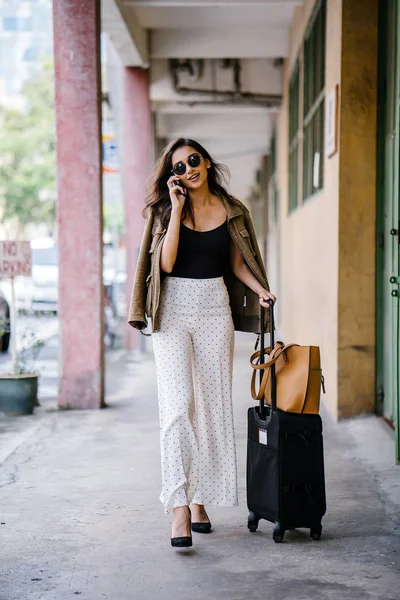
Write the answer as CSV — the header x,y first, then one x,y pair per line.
x,y
44,275
40,291
4,323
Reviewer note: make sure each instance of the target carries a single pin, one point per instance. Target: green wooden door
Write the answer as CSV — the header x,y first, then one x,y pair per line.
x,y
388,235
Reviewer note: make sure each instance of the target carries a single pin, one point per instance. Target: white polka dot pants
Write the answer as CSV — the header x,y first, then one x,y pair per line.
x,y
193,350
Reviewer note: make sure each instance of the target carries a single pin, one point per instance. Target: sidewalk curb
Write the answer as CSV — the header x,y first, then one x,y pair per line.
x,y
16,440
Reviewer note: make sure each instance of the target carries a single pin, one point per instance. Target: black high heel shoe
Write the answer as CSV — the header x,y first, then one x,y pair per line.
x,y
183,542
201,527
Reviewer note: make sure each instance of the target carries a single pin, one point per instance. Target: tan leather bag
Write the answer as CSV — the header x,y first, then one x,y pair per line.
x,y
298,377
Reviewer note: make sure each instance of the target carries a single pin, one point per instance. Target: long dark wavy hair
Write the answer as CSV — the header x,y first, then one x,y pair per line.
x,y
158,200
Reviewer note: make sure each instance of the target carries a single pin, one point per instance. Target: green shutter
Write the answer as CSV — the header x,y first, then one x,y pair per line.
x,y
294,137
314,95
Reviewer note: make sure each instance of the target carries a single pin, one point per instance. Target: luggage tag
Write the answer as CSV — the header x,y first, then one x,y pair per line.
x,y
262,436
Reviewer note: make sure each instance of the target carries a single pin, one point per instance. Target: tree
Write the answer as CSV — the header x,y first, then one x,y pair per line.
x,y
27,155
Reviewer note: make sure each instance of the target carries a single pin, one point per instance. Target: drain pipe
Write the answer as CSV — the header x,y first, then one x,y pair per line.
x,y
235,96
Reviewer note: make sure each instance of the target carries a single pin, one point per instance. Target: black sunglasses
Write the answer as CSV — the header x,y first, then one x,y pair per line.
x,y
180,167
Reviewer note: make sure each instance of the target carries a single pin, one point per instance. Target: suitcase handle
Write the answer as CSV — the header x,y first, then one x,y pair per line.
x,y
262,360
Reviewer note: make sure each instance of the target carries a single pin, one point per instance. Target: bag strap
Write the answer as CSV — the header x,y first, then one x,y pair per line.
x,y
267,369
261,366
274,355
263,384
260,354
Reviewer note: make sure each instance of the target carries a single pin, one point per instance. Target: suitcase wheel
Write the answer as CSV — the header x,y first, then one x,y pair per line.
x,y
252,522
315,531
278,533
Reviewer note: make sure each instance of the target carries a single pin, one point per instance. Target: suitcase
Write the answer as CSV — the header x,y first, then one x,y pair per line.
x,y
285,464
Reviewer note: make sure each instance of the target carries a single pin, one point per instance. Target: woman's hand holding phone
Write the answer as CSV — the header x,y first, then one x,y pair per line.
x,y
177,192
170,246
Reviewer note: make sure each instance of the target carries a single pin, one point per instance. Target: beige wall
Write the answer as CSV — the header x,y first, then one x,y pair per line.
x,y
327,245
309,236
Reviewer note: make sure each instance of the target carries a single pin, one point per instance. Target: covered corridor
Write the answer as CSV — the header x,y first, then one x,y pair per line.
x,y
297,98
294,97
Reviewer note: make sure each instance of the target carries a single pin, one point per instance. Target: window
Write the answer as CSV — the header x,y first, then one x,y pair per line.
x,y
10,24
44,256
15,24
313,108
294,137
272,184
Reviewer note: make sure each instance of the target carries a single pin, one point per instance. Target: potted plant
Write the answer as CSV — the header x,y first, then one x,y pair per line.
x,y
19,389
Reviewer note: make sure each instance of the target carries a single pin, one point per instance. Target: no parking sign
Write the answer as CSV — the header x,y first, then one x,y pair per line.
x,y
15,259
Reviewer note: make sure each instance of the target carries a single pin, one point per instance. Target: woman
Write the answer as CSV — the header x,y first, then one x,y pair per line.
x,y
199,276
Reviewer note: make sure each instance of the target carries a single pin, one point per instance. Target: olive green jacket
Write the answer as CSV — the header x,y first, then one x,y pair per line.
x,y
244,302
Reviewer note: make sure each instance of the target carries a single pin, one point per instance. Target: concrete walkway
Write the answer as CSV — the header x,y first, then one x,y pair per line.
x,y
81,518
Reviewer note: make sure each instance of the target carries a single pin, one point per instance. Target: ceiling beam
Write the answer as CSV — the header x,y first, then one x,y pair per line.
x,y
209,43
221,148
211,3
214,125
176,108
128,38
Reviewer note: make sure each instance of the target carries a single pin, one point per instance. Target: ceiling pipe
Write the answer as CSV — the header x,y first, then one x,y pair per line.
x,y
273,102
235,96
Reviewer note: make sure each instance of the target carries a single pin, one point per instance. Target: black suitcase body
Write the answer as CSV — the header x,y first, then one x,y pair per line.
x,y
285,467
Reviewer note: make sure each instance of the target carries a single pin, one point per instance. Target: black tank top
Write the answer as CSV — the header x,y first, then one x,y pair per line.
x,y
202,254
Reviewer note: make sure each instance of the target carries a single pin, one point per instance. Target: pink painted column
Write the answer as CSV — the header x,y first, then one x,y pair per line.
x,y
79,201
136,165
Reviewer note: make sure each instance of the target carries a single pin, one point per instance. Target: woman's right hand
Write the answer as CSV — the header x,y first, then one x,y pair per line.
x,y
177,193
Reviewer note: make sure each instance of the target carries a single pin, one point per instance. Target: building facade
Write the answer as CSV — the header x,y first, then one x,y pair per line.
x,y
26,41
334,200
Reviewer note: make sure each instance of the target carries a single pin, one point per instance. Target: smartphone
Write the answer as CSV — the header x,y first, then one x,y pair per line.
x,y
179,182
